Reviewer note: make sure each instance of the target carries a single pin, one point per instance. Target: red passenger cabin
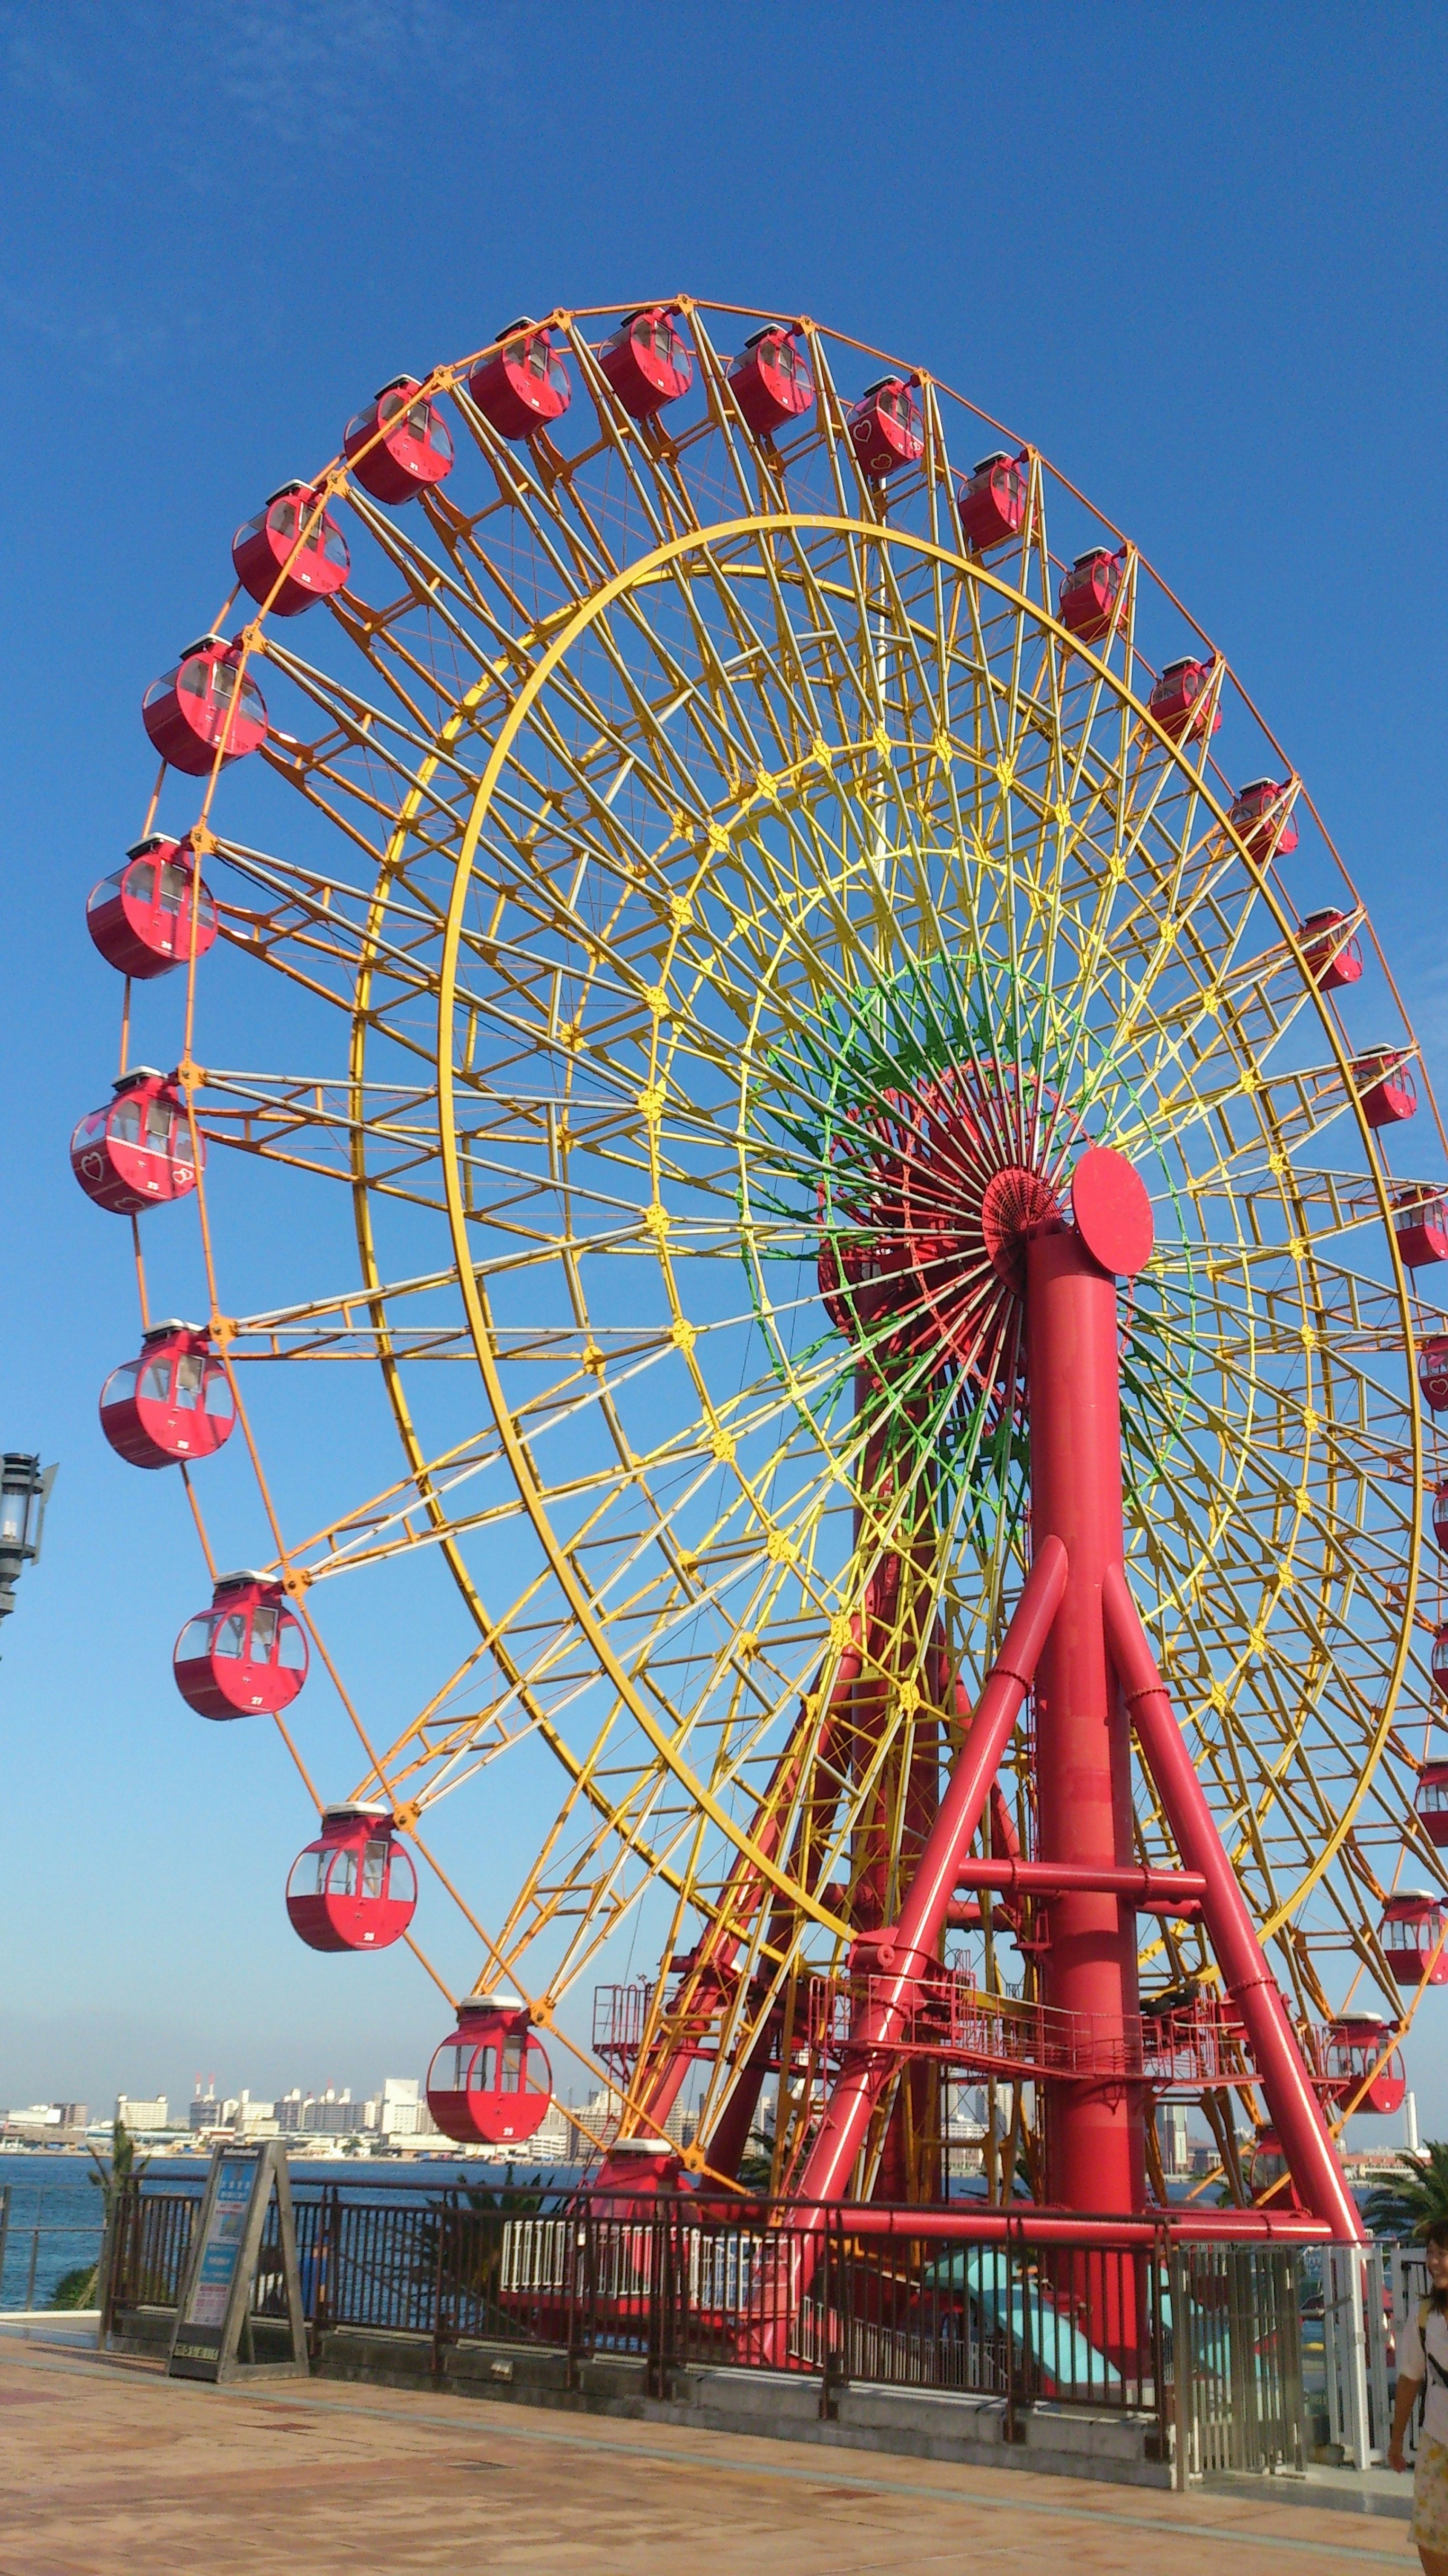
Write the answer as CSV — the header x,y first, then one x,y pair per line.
x,y
647,362
524,386
175,1401
1440,1498
244,1656
1420,1223
1438,1661
1332,955
354,1888
137,1153
140,918
187,711
280,572
1091,592
1180,700
1354,2047
490,2083
408,447
1433,1379
771,381
1384,1082
1261,817
1432,1802
993,502
1412,1935
886,430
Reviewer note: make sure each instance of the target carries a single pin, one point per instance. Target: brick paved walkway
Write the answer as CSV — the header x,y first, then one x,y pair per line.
x,y
108,2467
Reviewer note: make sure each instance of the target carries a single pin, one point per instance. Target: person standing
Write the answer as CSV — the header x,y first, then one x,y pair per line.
x,y
1423,2354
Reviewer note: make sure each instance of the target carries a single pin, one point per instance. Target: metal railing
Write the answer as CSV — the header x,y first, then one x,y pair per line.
x,y
1201,2341
22,2241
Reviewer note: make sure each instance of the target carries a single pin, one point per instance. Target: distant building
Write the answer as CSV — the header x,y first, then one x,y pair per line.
x,y
54,2123
205,2113
399,2112
551,2143
1176,2146
134,2113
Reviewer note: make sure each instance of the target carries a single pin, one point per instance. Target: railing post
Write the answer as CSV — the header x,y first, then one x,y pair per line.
x,y
1181,2370
1357,2362
5,2190
106,2269
444,2219
657,2241
828,2277
34,2260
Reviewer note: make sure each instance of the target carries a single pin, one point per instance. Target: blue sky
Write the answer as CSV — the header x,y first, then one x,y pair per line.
x,y
1198,260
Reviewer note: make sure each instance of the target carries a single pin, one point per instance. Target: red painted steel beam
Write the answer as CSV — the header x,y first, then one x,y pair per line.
x,y
1152,1888
1028,2224
903,1955
1095,2136
1291,2100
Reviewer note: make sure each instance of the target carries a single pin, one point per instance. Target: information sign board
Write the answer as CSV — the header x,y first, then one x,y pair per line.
x,y
218,2327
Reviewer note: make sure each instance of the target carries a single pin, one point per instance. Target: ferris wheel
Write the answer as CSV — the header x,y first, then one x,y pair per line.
x,y
717,874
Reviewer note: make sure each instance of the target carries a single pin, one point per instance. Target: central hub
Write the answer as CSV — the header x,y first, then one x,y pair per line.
x,y
925,1213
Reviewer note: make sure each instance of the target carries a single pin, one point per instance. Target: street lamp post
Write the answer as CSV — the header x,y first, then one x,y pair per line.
x,y
24,1493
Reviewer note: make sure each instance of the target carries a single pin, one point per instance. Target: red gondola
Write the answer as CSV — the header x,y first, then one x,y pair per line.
x,y
1179,699
314,569
771,381
140,918
1420,1222
1438,1661
187,710
1384,1082
1333,957
1260,815
993,502
137,1153
886,430
1432,1802
646,362
175,1401
354,1888
490,2083
1440,1510
524,386
1412,1931
1090,597
245,1654
1433,1376
1354,2046
413,451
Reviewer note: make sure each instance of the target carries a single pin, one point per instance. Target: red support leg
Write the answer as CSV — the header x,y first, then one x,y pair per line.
x,y
1294,2106
1095,2146
900,1960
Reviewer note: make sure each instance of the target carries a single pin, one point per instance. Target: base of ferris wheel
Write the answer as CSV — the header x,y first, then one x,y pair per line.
x,y
882,2040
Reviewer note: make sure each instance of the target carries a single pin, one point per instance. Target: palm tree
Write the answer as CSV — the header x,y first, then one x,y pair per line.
x,y
123,2174
1405,2208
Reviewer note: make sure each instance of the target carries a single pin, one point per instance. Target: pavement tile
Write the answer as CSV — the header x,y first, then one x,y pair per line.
x,y
106,2466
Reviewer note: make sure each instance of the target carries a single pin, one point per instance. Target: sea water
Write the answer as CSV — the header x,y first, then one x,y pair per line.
x,y
56,2209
